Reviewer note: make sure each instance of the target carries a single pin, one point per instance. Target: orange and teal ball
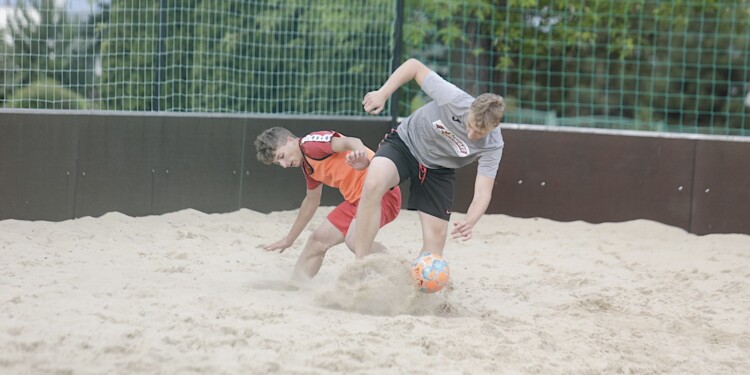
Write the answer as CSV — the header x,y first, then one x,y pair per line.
x,y
431,272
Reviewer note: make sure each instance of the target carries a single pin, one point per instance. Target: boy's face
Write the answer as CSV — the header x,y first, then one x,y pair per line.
x,y
288,154
474,134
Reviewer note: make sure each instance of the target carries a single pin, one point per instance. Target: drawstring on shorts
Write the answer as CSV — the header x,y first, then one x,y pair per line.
x,y
422,173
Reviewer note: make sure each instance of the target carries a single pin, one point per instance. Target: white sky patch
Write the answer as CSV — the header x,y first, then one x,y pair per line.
x,y
9,16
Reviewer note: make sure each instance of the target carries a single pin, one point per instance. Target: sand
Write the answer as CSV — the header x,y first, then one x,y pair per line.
x,y
189,292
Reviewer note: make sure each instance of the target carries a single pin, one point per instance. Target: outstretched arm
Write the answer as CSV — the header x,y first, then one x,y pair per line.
x,y
482,194
412,69
306,211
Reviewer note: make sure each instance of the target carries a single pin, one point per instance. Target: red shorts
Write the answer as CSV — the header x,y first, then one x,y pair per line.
x,y
341,216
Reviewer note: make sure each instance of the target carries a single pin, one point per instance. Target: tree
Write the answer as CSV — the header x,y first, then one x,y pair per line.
x,y
130,52
245,56
47,47
46,93
629,63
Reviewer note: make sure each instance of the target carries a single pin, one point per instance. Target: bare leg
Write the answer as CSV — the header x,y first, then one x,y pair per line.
x,y
377,247
311,258
381,176
434,233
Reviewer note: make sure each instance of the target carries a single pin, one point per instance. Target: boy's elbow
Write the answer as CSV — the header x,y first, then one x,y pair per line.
x,y
416,64
420,71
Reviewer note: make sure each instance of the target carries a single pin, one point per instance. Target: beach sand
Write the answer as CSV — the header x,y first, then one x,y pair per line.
x,y
188,292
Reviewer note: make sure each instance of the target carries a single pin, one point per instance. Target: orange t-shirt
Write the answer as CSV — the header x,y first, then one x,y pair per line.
x,y
323,165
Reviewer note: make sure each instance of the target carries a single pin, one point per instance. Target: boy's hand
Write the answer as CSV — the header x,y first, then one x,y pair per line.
x,y
461,229
358,159
281,245
374,102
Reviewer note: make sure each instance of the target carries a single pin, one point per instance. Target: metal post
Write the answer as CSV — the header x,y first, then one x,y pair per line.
x,y
396,62
161,62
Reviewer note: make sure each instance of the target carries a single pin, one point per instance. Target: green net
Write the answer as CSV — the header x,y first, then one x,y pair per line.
x,y
296,57
675,65
678,65
292,56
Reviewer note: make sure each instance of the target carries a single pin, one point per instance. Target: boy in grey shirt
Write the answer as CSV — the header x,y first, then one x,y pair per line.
x,y
449,132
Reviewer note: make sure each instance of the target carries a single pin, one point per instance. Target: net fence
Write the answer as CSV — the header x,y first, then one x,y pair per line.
x,y
676,65
292,56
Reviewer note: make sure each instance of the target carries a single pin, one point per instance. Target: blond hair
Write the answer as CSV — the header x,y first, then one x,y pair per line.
x,y
487,110
269,141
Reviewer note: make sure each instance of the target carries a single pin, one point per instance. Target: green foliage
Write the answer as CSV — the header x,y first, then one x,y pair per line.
x,y
128,49
46,44
9,81
682,63
46,94
646,64
246,56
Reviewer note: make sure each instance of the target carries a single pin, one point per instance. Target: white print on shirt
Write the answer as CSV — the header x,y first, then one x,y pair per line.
x,y
317,138
458,145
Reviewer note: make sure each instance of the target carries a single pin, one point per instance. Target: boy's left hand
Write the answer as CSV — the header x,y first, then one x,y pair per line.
x,y
358,159
461,229
280,245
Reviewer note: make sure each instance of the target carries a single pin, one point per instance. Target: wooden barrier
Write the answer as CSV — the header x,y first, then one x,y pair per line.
x,y
58,165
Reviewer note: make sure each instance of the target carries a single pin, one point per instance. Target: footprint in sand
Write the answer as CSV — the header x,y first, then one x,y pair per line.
x,y
281,285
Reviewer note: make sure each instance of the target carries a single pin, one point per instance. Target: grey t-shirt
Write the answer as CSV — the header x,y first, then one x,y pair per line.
x,y
436,133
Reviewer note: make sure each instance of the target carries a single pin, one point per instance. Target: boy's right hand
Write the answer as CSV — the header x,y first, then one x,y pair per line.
x,y
281,245
358,159
374,102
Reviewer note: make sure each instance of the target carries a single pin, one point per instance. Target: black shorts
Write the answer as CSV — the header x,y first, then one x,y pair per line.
x,y
431,190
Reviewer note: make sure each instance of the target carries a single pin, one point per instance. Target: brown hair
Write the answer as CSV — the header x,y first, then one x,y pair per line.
x,y
269,141
487,110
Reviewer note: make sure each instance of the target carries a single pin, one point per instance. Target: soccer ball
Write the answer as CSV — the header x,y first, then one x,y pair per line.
x,y
431,272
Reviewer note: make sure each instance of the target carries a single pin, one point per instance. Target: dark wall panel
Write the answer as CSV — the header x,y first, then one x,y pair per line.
x,y
57,166
591,177
115,162
721,197
272,188
198,164
37,166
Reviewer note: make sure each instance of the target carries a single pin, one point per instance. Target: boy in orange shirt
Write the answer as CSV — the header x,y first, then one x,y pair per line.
x,y
325,157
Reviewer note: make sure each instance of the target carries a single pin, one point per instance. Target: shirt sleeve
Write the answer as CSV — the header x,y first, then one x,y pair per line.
x,y
317,145
440,90
489,161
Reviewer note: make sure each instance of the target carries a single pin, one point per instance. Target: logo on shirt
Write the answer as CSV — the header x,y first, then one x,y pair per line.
x,y
458,145
317,138
454,118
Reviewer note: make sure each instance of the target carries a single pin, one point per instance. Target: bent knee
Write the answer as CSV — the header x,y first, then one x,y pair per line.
x,y
374,188
318,244
382,175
